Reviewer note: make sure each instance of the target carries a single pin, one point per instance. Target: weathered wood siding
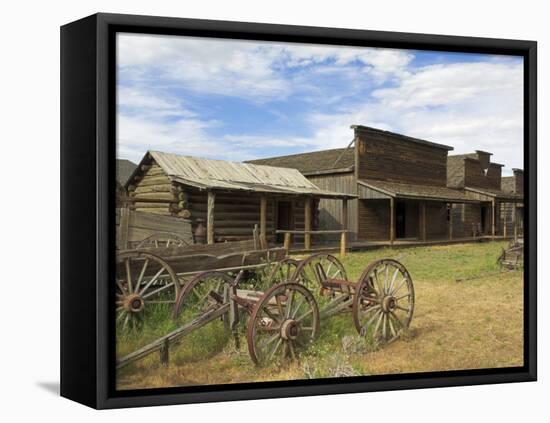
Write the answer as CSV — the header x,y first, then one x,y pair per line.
x,y
152,184
475,176
330,211
388,158
467,220
374,220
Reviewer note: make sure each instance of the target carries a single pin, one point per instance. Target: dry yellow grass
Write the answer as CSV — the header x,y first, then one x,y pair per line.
x,y
471,324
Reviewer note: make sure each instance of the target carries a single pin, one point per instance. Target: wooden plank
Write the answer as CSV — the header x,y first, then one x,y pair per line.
x,y
494,214
210,217
122,230
307,224
392,220
263,220
288,242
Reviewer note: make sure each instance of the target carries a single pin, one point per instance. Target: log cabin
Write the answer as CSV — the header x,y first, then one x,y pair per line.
x,y
400,183
124,169
228,198
495,211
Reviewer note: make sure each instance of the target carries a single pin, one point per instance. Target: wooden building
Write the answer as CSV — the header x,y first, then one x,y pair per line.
x,y
494,210
400,183
228,198
512,213
124,169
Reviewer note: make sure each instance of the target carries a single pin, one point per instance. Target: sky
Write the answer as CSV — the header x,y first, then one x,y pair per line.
x,y
239,100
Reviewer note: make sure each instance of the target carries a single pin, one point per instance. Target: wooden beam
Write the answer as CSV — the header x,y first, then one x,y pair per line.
x,y
307,223
450,221
504,223
493,218
515,223
210,217
263,221
344,236
392,220
288,242
423,221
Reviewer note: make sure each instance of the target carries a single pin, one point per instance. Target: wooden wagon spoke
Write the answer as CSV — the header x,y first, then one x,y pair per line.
x,y
378,322
156,291
397,319
407,310
407,295
143,269
289,304
390,288
153,279
300,303
392,329
401,285
121,287
275,348
291,347
128,275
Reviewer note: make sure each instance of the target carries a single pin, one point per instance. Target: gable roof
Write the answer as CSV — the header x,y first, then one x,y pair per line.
x,y
124,169
369,129
224,175
325,161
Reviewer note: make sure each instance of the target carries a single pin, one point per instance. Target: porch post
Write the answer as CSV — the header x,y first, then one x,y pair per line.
x,y
392,220
344,237
493,223
515,222
307,224
263,222
504,229
450,221
210,217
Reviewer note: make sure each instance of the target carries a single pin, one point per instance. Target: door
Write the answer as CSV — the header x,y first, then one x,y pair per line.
x,y
284,218
484,210
400,219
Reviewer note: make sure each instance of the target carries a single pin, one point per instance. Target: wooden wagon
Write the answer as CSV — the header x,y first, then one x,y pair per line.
x,y
285,319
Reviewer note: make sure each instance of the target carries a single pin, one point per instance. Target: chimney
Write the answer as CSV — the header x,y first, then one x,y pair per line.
x,y
484,159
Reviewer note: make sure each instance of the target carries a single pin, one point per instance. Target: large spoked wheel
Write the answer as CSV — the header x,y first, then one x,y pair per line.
x,y
313,273
205,293
283,271
163,240
383,305
142,280
283,323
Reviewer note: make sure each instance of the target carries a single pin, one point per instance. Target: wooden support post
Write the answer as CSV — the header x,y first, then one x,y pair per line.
x,y
210,217
423,221
450,221
122,232
392,220
493,218
165,353
504,222
307,224
515,223
263,222
287,242
344,237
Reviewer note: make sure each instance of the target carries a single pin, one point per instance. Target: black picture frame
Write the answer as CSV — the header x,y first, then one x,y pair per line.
x,y
88,108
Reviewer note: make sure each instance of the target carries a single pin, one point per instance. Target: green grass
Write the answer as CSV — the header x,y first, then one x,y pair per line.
x,y
468,315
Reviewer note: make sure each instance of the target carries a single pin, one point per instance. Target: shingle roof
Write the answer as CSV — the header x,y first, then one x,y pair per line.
x,y
313,162
219,174
400,190
124,169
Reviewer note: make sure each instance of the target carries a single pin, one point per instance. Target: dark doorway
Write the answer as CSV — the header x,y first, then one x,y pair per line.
x,y
483,219
284,218
400,220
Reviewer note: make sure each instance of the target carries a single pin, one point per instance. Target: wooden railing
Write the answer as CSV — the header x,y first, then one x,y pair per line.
x,y
307,238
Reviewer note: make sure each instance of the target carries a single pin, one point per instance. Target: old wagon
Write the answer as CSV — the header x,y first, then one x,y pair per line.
x,y
285,319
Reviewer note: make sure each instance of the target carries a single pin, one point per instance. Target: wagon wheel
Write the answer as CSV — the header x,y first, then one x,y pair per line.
x,y
283,271
283,323
142,279
309,273
383,305
205,292
163,240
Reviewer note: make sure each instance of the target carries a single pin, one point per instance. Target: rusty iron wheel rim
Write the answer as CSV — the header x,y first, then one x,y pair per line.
x,y
384,303
162,240
292,325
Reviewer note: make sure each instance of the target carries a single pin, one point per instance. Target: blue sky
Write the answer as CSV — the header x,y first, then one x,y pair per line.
x,y
238,100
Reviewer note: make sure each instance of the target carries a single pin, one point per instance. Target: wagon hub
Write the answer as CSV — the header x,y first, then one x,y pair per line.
x,y
289,329
388,303
134,303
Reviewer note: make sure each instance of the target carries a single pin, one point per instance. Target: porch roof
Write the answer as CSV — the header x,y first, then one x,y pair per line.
x,y
496,194
416,191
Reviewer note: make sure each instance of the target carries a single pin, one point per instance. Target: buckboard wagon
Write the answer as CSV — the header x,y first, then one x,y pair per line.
x,y
512,256
282,320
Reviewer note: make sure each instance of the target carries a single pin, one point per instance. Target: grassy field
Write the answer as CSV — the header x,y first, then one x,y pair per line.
x,y
468,315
